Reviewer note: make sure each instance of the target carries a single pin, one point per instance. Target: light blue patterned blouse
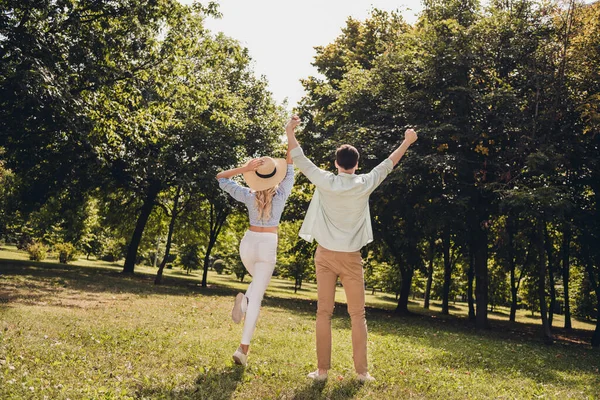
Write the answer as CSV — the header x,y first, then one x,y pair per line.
x,y
248,197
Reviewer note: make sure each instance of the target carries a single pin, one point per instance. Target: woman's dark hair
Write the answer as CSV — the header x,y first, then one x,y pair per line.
x,y
347,156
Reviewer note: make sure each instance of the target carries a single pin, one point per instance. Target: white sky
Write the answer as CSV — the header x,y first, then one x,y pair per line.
x,y
281,34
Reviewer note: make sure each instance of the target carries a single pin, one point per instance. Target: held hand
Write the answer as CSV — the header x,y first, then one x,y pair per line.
x,y
292,123
410,136
254,164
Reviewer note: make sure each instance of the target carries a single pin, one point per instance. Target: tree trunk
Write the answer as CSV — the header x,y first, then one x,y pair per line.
x,y
596,335
174,214
588,262
429,273
447,271
565,252
407,274
211,242
547,334
512,265
156,252
217,219
513,298
134,243
480,260
550,254
470,278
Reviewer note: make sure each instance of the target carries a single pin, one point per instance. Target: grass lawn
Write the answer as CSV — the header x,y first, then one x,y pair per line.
x,y
85,331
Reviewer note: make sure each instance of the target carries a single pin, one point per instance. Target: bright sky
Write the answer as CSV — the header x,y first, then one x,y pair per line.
x,y
281,34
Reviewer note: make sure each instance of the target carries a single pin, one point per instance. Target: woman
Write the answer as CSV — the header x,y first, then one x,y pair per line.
x,y
270,182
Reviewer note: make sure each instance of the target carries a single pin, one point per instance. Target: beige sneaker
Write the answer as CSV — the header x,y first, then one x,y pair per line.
x,y
365,377
316,377
237,313
240,358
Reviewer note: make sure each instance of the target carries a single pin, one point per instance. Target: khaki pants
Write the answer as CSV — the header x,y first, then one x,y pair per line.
x,y
348,266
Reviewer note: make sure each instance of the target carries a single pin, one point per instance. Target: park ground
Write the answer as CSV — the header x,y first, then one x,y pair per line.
x,y
86,331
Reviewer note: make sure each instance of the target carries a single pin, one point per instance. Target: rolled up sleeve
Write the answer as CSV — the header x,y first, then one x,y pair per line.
x,y
314,174
285,187
236,191
378,174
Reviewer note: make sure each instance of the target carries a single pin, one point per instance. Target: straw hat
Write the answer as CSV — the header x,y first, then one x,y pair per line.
x,y
269,174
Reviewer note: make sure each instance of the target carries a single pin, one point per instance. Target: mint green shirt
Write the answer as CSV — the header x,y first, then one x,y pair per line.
x,y
338,216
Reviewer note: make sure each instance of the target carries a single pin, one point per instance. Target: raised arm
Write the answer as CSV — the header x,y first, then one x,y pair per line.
x,y
290,132
314,174
410,136
251,166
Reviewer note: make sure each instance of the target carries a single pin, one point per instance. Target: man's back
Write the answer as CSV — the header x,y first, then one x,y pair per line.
x,y
338,216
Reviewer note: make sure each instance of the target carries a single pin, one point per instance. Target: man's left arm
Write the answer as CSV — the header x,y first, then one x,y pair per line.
x,y
380,172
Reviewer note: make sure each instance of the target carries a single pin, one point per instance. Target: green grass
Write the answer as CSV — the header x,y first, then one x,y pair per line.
x,y
86,331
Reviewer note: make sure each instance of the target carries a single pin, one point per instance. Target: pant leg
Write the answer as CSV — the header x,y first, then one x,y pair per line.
x,y
247,252
248,257
326,280
352,277
266,255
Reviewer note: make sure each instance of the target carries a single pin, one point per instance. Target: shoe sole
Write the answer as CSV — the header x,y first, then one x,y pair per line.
x,y
319,378
236,313
238,361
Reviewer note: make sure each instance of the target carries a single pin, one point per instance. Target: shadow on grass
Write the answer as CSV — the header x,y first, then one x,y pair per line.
x,y
211,385
49,278
42,281
313,390
346,389
46,280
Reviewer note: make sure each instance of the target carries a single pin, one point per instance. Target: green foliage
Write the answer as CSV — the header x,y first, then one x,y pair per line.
x,y
531,297
37,251
586,304
189,257
239,270
499,289
113,249
219,266
295,255
66,252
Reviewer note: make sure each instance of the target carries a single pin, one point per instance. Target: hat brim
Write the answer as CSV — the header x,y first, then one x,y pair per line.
x,y
257,183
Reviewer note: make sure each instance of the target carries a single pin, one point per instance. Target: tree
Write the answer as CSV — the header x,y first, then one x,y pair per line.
x,y
583,79
295,254
55,56
204,106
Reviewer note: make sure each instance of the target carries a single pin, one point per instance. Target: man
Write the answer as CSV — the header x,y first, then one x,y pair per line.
x,y
338,219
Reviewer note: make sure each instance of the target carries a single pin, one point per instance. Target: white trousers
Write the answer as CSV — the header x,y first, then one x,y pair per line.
x,y
258,251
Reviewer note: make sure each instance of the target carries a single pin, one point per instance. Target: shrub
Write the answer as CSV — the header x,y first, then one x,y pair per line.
x,y
37,251
219,266
189,257
66,252
24,241
114,249
239,270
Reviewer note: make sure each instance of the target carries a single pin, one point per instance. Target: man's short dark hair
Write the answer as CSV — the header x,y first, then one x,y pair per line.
x,y
347,156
